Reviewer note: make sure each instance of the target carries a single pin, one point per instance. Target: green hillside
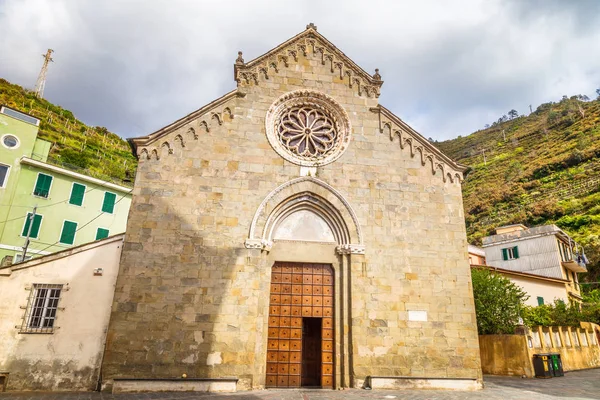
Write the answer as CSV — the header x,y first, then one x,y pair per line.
x,y
93,151
538,169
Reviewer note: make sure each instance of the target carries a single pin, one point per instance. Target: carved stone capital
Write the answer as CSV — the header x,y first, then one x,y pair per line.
x,y
258,244
350,249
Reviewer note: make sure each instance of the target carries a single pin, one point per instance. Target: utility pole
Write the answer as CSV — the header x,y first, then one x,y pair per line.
x,y
41,81
484,160
530,109
31,219
504,134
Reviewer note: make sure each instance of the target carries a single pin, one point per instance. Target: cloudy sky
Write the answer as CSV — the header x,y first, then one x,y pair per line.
x,y
449,66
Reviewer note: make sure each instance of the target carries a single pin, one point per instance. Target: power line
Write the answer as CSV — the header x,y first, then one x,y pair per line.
x,y
47,205
86,224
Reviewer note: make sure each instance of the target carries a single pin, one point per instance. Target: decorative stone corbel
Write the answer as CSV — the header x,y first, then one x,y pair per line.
x,y
350,249
263,245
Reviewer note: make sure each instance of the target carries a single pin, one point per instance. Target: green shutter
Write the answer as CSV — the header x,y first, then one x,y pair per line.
x,y
505,254
77,192
67,236
540,301
42,185
35,229
515,252
108,205
101,233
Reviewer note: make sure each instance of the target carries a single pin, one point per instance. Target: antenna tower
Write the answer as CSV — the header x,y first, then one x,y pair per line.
x,y
41,81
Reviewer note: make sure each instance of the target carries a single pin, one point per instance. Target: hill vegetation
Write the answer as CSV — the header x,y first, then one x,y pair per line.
x,y
543,168
93,151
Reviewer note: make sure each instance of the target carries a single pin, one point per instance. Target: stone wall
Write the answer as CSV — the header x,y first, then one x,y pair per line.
x,y
192,299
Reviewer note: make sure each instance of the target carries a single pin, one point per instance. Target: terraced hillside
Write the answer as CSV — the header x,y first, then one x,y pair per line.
x,y
90,150
538,169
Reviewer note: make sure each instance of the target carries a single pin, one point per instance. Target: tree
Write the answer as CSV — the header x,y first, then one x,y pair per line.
x,y
486,126
513,114
598,93
582,97
498,302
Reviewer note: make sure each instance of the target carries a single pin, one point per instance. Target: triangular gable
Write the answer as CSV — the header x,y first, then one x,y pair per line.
x,y
282,56
308,41
392,125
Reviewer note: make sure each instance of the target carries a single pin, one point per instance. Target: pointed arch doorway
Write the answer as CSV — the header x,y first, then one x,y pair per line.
x,y
309,240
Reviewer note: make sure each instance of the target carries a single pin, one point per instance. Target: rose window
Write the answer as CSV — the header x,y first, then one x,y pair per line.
x,y
308,128
307,131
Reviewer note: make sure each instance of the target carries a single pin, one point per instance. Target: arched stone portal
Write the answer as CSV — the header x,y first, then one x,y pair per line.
x,y
304,227
308,194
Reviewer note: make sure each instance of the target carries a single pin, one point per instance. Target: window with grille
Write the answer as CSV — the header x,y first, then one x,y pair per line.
x,y
77,193
40,314
511,253
108,205
42,185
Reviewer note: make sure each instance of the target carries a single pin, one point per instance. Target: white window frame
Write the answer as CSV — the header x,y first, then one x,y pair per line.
x,y
13,135
71,192
510,255
31,308
7,175
74,234
101,227
25,222
49,189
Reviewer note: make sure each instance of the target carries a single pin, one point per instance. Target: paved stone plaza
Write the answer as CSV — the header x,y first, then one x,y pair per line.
x,y
575,385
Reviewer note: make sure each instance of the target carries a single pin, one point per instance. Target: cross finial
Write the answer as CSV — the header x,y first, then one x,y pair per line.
x,y
311,26
239,59
376,76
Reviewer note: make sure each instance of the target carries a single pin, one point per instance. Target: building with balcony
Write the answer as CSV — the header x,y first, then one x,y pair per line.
x,y
545,251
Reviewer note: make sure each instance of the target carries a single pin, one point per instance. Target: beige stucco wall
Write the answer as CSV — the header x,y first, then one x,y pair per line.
x,y
190,298
513,354
505,355
550,291
69,358
580,353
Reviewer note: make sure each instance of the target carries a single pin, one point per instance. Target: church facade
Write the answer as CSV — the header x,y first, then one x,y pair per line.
x,y
292,233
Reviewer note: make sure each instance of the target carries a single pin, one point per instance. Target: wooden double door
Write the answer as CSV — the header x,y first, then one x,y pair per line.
x,y
300,343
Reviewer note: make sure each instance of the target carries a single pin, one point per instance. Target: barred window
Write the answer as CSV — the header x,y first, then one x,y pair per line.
x,y
40,314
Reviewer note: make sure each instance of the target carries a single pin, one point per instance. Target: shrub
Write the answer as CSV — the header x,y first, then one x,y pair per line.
x,y
498,302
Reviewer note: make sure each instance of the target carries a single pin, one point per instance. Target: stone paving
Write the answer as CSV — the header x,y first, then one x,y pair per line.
x,y
573,386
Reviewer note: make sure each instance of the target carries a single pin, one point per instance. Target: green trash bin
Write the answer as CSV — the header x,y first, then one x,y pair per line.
x,y
542,365
557,367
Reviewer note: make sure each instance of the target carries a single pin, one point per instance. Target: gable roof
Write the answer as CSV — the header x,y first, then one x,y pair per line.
x,y
519,273
149,139
258,70
318,44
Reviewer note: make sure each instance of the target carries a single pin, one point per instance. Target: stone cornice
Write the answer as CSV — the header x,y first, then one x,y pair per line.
x,y
307,42
207,110
408,137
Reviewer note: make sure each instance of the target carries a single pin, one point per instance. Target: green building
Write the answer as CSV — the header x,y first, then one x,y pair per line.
x,y
71,208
